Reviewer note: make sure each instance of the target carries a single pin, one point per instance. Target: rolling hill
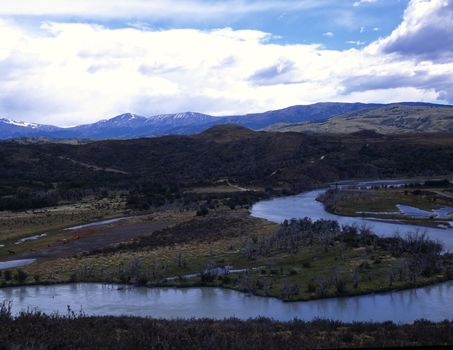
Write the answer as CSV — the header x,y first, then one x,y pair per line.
x,y
392,119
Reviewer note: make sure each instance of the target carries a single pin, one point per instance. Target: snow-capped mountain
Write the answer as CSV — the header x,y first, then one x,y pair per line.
x,y
132,125
11,128
16,123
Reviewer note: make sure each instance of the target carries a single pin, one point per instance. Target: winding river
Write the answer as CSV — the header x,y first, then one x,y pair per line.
x,y
432,302
306,205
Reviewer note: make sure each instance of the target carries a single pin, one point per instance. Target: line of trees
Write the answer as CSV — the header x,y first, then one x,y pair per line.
x,y
25,199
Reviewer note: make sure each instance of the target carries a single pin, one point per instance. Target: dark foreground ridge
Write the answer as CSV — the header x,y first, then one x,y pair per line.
x,y
289,162
37,331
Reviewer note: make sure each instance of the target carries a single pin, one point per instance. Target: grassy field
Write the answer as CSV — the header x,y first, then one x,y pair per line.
x,y
62,243
15,225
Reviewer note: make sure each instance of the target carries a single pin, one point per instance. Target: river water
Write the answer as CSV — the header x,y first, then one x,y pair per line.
x,y
11,264
433,303
306,205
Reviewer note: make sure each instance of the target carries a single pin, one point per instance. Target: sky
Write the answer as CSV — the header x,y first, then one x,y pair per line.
x,y
66,62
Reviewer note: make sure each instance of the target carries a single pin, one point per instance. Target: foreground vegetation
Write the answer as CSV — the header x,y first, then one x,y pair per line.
x,y
31,330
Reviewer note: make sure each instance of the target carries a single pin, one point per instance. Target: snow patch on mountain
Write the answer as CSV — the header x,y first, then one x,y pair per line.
x,y
18,123
181,116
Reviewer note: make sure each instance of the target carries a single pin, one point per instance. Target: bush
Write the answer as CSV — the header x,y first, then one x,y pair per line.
x,y
203,211
340,286
311,287
32,330
8,275
20,276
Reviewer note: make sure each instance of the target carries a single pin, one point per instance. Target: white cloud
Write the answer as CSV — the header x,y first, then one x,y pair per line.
x,y
72,73
190,9
426,32
394,95
356,42
329,34
361,2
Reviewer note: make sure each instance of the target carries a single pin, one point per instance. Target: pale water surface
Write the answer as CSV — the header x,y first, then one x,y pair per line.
x,y
15,263
433,303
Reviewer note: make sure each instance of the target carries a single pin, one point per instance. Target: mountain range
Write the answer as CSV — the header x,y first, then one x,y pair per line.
x,y
132,126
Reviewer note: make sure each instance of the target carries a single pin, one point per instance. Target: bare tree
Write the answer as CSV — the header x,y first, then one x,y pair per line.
x,y
180,260
289,290
355,278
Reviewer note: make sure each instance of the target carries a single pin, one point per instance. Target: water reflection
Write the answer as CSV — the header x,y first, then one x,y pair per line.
x,y
97,299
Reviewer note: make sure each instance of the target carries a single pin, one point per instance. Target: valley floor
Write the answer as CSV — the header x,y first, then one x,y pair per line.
x,y
180,248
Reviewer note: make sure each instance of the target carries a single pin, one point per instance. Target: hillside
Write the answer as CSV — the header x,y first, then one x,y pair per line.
x,y
290,161
295,114
393,119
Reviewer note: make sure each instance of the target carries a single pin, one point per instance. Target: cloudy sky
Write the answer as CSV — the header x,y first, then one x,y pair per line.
x,y
69,62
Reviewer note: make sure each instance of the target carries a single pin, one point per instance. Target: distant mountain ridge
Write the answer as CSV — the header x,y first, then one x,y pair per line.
x,y
132,125
392,119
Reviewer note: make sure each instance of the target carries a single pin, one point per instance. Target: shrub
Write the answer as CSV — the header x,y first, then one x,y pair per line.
x,y
21,276
8,275
203,211
311,287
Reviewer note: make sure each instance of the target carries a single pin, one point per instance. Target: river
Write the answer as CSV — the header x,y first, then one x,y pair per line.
x,y
306,205
433,303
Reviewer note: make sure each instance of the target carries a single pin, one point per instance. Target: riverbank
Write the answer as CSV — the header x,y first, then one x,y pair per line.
x,y
346,294
186,283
